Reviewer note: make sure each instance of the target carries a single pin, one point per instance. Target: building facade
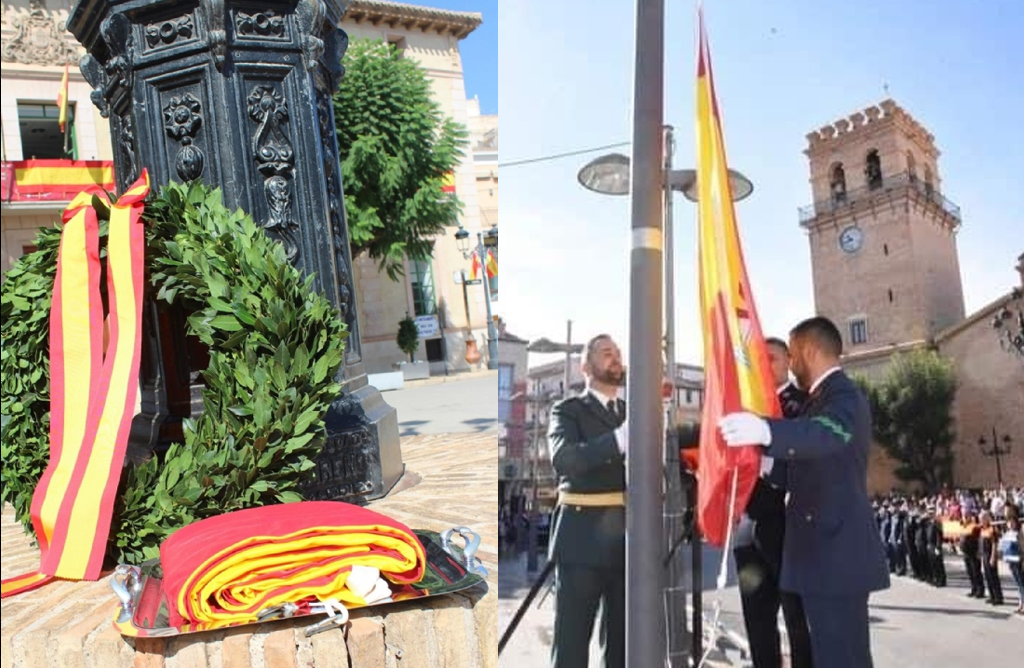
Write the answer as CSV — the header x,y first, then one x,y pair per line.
x,y
513,400
35,49
450,313
529,465
885,269
989,397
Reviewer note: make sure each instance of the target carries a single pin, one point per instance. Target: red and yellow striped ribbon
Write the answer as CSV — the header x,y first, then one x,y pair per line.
x,y
92,389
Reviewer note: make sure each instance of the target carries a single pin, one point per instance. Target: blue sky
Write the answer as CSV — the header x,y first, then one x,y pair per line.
x,y
479,50
781,70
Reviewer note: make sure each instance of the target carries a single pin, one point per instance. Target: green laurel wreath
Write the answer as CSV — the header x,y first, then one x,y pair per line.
x,y
275,346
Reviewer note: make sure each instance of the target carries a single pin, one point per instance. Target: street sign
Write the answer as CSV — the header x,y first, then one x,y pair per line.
x,y
427,326
475,281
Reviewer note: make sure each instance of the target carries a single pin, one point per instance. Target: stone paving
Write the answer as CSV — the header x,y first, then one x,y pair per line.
x,y
530,644
913,625
450,480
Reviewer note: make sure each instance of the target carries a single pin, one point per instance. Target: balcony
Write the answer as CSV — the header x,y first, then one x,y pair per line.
x,y
892,186
26,181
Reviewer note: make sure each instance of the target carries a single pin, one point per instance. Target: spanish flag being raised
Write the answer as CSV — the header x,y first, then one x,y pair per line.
x,y
737,375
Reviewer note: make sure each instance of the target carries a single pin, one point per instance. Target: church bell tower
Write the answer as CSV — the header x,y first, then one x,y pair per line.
x,y
882,234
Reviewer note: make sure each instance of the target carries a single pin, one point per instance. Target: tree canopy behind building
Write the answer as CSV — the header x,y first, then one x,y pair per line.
x,y
912,412
396,148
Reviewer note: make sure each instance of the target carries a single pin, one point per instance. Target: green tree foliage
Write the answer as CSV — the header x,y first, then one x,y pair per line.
x,y
275,346
408,336
912,412
396,147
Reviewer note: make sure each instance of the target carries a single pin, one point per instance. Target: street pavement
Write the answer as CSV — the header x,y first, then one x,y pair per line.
x,y
913,625
466,404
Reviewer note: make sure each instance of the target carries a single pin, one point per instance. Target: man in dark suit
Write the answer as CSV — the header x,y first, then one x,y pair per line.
x,y
832,553
588,543
758,551
884,528
896,544
936,563
921,531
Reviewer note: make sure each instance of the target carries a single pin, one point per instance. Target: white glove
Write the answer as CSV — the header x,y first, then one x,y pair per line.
x,y
362,580
743,429
381,593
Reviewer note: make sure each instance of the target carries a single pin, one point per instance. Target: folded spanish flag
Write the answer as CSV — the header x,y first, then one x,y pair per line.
x,y
230,567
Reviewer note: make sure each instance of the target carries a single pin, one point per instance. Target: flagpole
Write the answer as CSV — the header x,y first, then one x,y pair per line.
x,y
645,541
672,512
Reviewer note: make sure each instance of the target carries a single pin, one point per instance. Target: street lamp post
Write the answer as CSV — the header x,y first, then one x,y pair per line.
x,y
1010,326
534,517
488,239
566,378
492,330
645,541
545,346
610,175
996,451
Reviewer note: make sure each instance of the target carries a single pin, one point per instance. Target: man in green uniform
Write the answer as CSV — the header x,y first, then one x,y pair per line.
x,y
588,544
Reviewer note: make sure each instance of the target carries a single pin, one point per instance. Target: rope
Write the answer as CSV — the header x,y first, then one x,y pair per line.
x,y
723,574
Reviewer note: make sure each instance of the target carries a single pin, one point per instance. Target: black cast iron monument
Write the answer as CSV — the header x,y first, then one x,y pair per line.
x,y
239,95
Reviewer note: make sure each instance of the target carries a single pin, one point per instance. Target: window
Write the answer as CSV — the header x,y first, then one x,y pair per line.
x,y
423,300
837,183
890,295
929,189
504,391
911,167
873,170
41,138
885,249
689,396
858,331
398,42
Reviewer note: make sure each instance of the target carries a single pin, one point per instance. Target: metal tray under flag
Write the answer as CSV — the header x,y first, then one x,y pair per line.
x,y
144,610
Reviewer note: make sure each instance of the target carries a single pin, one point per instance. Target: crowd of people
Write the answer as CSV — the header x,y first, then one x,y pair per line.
x,y
982,527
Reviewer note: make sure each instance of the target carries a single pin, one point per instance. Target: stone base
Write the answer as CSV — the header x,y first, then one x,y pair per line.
x,y
361,458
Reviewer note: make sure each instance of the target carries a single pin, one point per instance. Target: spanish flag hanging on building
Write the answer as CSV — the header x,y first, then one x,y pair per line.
x,y
492,264
737,375
448,183
475,268
62,100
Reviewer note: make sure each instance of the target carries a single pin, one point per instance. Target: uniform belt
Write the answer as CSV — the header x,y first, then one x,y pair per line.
x,y
592,499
